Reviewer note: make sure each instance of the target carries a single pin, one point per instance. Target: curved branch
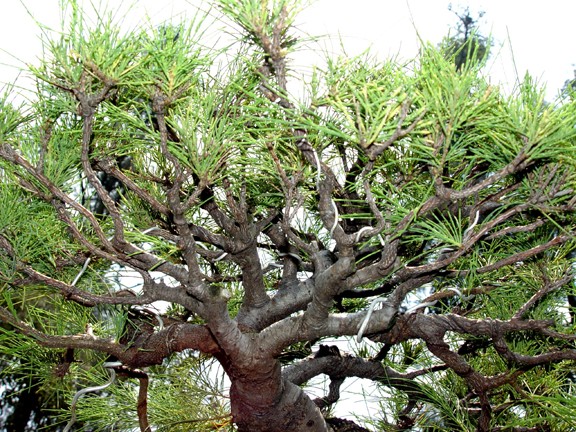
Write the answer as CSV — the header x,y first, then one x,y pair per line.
x,y
292,329
112,169
10,155
348,366
145,350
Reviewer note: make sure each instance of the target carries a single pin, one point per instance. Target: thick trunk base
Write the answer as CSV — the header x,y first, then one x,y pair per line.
x,y
294,412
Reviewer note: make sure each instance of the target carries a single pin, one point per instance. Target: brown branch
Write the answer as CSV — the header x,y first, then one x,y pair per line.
x,y
292,329
348,366
286,250
542,292
46,135
522,256
221,219
159,104
526,362
79,296
69,291
333,395
516,229
10,155
519,163
144,350
326,286
420,326
236,206
112,169
186,241
374,150
87,109
380,220
109,203
433,328
142,406
252,277
132,257
426,371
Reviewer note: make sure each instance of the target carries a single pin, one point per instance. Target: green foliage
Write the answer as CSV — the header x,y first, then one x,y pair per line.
x,y
174,388
263,21
40,236
364,99
11,118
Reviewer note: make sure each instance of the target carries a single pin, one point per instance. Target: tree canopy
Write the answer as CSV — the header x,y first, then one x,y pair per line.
x,y
167,205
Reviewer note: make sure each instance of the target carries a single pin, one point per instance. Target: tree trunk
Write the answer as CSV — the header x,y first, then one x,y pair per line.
x,y
292,412
264,401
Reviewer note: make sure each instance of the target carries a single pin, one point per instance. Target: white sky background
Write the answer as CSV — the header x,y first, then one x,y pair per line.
x,y
540,35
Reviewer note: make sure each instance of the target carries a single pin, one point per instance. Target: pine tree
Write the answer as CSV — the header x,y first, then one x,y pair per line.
x,y
413,208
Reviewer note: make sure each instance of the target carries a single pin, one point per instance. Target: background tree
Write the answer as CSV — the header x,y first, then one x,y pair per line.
x,y
569,86
467,44
268,223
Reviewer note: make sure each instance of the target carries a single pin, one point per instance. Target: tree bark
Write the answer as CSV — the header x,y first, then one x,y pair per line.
x,y
291,411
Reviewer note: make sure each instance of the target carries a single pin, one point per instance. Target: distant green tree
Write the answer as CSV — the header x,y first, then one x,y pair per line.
x,y
467,44
412,205
569,87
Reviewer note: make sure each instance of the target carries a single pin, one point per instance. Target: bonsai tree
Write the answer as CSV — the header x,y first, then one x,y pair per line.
x,y
166,204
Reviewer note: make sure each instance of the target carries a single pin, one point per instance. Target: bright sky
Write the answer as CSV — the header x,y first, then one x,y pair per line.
x,y
538,34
